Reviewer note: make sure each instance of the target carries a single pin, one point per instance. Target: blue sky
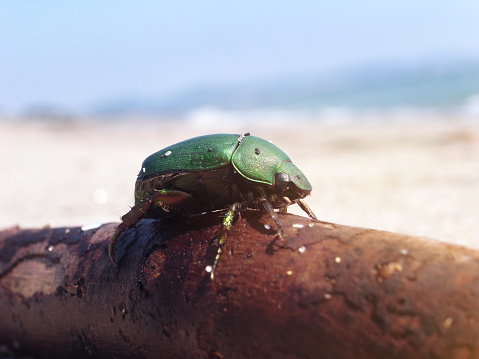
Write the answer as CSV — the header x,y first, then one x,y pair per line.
x,y
77,53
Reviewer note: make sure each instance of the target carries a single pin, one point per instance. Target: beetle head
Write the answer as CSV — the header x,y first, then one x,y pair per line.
x,y
291,182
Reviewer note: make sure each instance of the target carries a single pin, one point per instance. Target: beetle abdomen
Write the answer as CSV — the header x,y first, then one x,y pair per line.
x,y
212,190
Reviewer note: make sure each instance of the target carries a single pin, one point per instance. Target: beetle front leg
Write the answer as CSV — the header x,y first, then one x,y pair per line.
x,y
306,208
270,210
228,221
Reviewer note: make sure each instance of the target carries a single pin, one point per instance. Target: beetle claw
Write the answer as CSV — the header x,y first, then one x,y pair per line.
x,y
113,239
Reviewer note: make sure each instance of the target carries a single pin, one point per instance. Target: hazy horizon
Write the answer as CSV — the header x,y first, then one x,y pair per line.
x,y
78,54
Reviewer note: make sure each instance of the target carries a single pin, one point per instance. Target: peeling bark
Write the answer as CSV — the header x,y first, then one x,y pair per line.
x,y
334,292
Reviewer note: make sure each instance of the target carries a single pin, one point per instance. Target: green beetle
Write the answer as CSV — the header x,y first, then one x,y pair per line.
x,y
216,172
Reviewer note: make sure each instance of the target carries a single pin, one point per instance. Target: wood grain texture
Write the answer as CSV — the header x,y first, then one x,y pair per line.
x,y
333,292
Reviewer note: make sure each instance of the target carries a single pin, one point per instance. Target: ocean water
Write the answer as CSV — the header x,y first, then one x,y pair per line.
x,y
447,91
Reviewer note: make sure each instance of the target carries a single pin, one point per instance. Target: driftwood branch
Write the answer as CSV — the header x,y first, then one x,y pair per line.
x,y
333,292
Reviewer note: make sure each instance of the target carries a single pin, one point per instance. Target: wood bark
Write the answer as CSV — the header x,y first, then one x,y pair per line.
x,y
332,291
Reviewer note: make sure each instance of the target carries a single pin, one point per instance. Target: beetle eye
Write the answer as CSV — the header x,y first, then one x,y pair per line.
x,y
281,181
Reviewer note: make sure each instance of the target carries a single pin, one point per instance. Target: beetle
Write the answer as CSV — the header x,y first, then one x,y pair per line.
x,y
216,172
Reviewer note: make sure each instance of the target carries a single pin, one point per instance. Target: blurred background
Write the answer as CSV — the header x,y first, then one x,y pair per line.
x,y
377,102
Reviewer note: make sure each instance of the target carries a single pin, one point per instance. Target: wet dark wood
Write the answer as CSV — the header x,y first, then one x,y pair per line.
x,y
334,292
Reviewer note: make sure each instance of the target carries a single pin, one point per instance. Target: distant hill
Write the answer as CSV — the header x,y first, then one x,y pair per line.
x,y
430,86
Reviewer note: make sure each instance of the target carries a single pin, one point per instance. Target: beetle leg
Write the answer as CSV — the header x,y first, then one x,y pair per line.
x,y
306,208
270,210
283,209
165,199
177,200
221,238
128,220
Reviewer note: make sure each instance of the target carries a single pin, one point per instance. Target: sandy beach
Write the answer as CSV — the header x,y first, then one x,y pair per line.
x,y
419,177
